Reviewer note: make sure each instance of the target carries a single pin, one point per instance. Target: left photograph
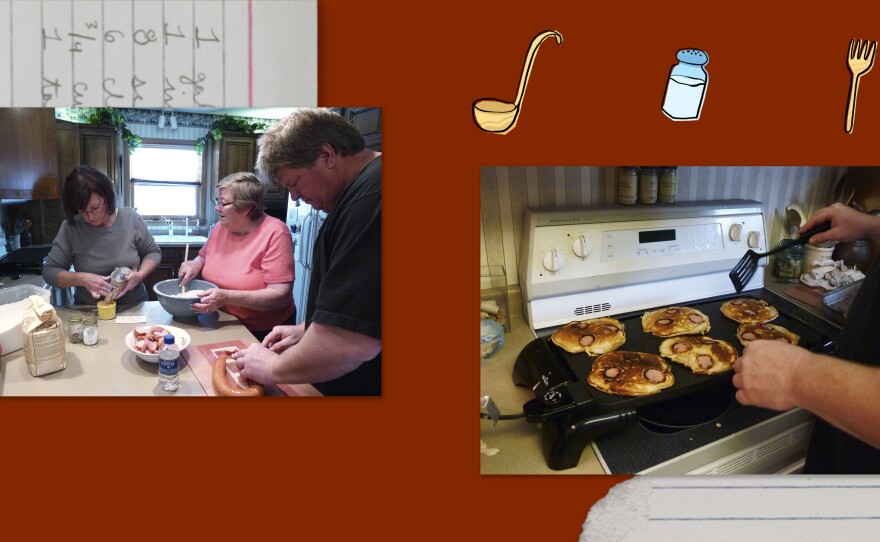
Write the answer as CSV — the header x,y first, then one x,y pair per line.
x,y
179,252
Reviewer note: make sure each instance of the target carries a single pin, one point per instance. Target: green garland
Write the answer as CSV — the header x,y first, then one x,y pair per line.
x,y
104,116
227,124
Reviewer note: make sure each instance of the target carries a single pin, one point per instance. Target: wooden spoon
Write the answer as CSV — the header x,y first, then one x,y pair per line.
x,y
499,116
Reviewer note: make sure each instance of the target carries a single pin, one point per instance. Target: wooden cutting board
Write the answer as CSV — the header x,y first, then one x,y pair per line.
x,y
808,294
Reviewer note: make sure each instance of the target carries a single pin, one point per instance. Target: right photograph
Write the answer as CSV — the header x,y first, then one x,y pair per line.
x,y
679,319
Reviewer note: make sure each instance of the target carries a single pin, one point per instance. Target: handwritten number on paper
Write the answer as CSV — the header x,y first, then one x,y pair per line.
x,y
45,37
199,39
143,37
167,33
76,44
110,38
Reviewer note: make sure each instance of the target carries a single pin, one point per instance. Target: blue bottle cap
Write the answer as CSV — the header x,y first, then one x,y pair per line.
x,y
692,56
169,339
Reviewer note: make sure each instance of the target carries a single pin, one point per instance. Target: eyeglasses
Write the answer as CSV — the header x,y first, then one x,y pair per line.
x,y
221,203
91,210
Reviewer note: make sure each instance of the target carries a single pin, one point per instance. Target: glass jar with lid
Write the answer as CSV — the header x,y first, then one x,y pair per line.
x,y
648,185
627,185
75,328
90,330
668,184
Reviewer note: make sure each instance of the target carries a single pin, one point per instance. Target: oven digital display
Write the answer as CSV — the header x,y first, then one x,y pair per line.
x,y
656,236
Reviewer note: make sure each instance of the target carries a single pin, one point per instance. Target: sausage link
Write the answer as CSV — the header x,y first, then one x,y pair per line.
x,y
222,387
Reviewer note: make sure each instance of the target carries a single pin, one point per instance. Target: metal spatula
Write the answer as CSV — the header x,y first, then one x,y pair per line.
x,y
745,268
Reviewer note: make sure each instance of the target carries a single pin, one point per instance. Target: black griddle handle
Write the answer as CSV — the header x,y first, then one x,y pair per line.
x,y
563,445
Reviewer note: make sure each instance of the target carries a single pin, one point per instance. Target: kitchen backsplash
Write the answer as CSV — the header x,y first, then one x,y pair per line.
x,y
506,192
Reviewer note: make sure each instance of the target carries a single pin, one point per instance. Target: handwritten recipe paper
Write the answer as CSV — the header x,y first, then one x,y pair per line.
x,y
738,508
158,53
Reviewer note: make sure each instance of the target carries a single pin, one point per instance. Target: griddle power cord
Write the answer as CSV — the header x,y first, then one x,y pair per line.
x,y
488,411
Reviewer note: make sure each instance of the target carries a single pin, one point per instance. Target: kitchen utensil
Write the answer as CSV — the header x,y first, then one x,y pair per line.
x,y
168,292
499,116
181,339
859,62
745,268
185,258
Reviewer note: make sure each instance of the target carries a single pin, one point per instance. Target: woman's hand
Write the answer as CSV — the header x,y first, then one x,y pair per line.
x,y
190,270
132,280
97,285
212,300
283,337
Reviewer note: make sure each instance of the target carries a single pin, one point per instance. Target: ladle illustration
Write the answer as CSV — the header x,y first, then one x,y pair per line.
x,y
499,116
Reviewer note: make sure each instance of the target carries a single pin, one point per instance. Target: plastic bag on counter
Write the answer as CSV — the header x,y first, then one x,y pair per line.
x,y
42,335
491,338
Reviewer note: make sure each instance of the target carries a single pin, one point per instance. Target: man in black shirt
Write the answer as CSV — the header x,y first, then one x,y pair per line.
x,y
841,392
322,159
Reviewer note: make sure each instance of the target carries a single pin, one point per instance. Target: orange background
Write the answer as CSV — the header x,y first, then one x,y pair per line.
x,y
405,466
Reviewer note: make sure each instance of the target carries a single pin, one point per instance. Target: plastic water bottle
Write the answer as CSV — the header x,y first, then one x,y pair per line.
x,y
169,365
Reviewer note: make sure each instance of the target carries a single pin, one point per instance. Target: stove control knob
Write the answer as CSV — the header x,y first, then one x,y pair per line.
x,y
754,239
736,232
582,246
553,260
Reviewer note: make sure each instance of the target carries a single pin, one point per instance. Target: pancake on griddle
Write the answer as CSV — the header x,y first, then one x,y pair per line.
x,y
675,321
704,356
596,336
749,309
630,373
753,331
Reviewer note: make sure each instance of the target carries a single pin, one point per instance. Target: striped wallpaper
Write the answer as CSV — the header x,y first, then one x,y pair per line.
x,y
506,192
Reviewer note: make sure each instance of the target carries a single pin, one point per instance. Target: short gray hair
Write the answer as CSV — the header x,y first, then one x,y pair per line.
x,y
296,141
247,191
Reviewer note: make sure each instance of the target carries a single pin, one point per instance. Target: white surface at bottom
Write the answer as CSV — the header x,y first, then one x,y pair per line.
x,y
737,508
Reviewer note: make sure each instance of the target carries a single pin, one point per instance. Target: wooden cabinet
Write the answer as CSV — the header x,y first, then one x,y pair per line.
x,y
238,152
172,257
28,154
86,144
368,121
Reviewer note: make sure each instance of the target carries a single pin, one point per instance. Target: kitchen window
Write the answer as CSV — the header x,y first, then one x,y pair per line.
x,y
165,179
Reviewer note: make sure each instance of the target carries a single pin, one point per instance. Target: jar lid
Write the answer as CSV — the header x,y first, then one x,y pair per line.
x,y
75,318
692,56
90,320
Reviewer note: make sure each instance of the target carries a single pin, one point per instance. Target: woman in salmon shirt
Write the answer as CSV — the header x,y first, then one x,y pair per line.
x,y
249,256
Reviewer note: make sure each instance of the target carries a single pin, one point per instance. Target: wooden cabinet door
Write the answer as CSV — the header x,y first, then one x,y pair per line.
x,y
98,149
28,154
67,141
368,121
237,153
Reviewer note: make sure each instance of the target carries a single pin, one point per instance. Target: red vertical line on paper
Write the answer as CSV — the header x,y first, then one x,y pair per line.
x,y
250,54
194,49
104,97
12,61
163,56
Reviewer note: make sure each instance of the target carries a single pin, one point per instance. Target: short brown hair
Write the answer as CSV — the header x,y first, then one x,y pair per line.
x,y
247,191
78,188
297,140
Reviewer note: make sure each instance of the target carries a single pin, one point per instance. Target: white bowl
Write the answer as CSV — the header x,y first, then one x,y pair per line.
x,y
181,340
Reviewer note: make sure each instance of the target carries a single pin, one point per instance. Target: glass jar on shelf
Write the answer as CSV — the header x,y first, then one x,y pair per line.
x,y
627,185
648,185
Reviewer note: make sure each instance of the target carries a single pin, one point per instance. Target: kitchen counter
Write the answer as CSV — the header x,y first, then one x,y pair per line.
x,y
518,442
109,368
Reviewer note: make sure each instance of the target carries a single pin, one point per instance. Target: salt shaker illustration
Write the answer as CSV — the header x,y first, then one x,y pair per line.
x,y
686,88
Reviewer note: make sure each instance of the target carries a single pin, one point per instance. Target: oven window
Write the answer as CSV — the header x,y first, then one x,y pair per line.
x,y
656,236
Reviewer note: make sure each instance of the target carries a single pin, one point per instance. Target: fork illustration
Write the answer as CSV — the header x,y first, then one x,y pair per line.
x,y
859,62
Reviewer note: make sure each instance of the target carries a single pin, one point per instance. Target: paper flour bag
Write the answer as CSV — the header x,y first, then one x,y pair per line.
x,y
42,335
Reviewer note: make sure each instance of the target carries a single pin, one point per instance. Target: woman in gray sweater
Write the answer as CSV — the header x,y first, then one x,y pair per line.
x,y
97,237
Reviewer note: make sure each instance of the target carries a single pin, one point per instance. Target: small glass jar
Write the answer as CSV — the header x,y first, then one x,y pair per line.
x,y
668,184
790,264
90,330
648,185
75,328
627,185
